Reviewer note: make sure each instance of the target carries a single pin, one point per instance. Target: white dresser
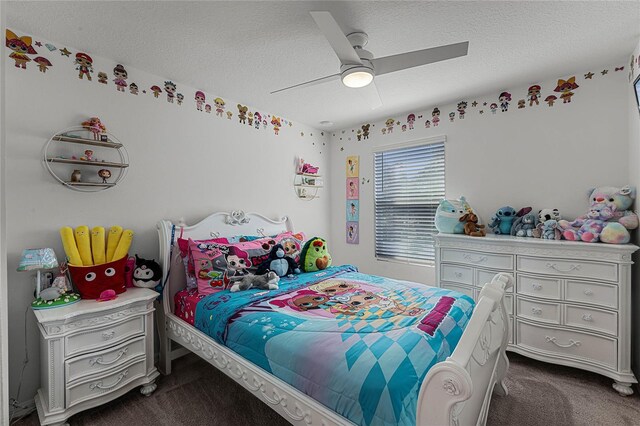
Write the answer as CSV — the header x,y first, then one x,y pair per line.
x,y
571,304
92,352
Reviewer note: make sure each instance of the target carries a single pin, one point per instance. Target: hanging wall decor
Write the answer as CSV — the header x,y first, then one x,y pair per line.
x,y
353,199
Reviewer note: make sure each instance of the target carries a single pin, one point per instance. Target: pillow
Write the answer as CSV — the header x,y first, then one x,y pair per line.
x,y
217,264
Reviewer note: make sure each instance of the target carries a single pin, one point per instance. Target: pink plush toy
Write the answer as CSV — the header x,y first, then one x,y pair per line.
x,y
616,229
589,229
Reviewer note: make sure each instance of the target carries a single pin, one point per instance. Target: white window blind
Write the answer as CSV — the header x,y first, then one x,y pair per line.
x,y
409,184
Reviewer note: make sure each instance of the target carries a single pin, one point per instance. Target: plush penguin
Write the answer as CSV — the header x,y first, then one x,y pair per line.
x,y
279,263
147,273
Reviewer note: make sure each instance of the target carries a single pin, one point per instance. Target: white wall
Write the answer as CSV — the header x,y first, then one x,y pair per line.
x,y
537,156
183,163
634,179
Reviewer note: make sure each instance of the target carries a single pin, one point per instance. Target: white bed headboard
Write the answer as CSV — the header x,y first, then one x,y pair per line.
x,y
220,224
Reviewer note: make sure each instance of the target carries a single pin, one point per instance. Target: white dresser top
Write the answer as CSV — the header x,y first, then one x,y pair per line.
x,y
90,306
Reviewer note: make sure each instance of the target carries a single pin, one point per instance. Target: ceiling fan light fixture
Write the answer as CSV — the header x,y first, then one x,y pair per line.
x,y
357,77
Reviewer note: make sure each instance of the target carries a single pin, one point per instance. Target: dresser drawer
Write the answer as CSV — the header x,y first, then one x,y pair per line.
x,y
483,277
539,311
568,344
592,319
595,293
548,288
508,301
456,274
103,337
488,260
98,385
107,359
468,290
568,268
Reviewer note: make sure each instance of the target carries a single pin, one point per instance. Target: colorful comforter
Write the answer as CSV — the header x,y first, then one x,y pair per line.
x,y
359,344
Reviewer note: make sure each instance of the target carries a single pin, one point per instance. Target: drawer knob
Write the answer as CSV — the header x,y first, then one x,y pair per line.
x,y
555,267
587,317
588,292
99,361
571,343
536,311
478,259
458,274
108,335
536,286
100,385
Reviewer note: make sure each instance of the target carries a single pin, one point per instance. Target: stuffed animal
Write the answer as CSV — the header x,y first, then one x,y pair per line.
x,y
268,281
589,230
471,226
502,221
147,273
448,216
616,230
547,214
279,263
525,225
551,230
315,255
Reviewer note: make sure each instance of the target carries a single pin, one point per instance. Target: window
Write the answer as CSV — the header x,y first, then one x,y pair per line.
x,y
409,184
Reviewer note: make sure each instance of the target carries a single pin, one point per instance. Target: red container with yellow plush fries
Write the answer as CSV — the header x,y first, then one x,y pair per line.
x,y
90,281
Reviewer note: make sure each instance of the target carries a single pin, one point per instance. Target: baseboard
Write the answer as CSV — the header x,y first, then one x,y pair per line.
x,y
22,409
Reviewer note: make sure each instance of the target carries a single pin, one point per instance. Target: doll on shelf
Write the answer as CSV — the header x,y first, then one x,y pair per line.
x,y
95,126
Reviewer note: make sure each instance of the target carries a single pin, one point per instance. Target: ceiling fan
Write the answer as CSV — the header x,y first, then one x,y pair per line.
x,y
358,67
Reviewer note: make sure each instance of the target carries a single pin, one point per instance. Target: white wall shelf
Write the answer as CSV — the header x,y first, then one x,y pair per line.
x,y
307,185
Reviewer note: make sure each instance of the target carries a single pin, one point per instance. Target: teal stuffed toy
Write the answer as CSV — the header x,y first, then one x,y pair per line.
x,y
502,221
448,216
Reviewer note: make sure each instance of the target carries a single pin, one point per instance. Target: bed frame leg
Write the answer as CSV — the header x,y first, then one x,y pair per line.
x,y
165,343
501,374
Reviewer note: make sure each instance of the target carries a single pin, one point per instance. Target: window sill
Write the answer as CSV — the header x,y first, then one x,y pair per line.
x,y
427,264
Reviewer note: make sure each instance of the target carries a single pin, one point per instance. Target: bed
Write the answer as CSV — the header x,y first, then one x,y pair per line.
x,y
415,355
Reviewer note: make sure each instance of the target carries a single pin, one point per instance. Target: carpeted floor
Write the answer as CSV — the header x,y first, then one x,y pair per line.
x,y
198,394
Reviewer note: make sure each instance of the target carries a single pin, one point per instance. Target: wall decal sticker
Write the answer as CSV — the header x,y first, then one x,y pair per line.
x,y
383,130
180,98
353,202
121,77
65,52
475,104
604,72
242,115
258,119
566,87
170,90
230,114
353,166
589,75
200,98
534,94
411,118
133,89
353,210
250,119
619,68
462,107
504,98
481,111
51,47
365,131
353,188
435,117
38,44
275,122
452,116
21,47
521,103
43,63
494,108
84,65
359,135
156,91
219,103
427,124
352,233
550,100
102,77
389,123
207,109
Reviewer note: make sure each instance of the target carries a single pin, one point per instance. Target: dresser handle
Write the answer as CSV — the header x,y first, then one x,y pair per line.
x,y
536,311
99,384
458,274
470,258
571,343
536,286
98,360
588,292
108,335
572,267
587,317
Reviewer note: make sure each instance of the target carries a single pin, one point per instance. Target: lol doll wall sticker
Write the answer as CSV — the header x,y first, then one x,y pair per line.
x,y
462,108
435,117
84,65
534,94
200,98
566,87
21,47
219,104
504,98
121,78
170,90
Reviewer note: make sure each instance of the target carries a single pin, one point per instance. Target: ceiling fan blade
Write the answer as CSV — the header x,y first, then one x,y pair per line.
x,y
336,38
370,95
417,58
310,83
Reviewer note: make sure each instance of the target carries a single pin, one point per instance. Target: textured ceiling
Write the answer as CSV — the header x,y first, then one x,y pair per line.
x,y
244,50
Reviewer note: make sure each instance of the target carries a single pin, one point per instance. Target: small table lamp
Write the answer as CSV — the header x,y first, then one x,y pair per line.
x,y
38,260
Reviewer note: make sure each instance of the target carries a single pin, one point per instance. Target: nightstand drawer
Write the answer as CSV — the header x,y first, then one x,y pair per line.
x,y
488,260
104,336
99,385
568,268
112,358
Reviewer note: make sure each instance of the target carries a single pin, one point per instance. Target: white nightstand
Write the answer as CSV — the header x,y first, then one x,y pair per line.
x,y
93,352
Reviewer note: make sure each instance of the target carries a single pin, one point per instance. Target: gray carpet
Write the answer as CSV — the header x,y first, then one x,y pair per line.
x,y
198,394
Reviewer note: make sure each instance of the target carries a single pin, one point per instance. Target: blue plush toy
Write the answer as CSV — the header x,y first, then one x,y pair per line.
x,y
448,216
502,221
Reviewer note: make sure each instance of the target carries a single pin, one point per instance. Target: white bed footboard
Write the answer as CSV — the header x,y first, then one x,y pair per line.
x,y
458,391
